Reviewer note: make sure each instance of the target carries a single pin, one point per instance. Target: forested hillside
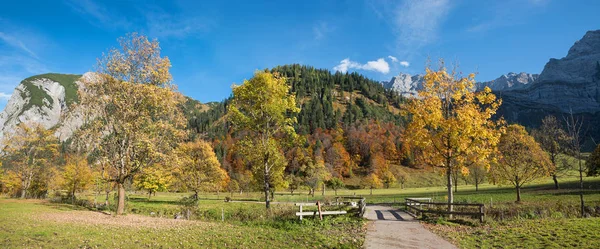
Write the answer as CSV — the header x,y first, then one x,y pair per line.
x,y
349,128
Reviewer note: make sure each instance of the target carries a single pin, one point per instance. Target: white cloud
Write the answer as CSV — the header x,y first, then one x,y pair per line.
x,y
379,65
321,29
405,63
417,22
394,59
153,20
12,41
162,24
97,14
414,23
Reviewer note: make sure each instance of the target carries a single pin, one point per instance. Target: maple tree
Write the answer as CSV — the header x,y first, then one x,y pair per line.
x,y
154,179
77,175
132,115
262,107
451,125
521,159
197,167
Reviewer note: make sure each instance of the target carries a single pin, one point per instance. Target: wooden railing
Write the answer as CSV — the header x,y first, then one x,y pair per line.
x,y
420,206
319,212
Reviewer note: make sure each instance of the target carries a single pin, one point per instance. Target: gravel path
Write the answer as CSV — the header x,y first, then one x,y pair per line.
x,y
392,228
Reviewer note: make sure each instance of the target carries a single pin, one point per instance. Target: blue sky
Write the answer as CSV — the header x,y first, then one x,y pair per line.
x,y
213,44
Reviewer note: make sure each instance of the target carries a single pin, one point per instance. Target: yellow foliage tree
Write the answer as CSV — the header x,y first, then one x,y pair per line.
x,y
154,179
198,168
262,107
372,181
451,125
27,153
522,160
77,175
133,116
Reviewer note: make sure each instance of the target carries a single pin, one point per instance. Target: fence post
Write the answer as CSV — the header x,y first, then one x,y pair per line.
x,y
319,206
481,212
300,211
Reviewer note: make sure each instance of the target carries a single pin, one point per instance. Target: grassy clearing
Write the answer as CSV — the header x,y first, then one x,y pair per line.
x,y
533,233
25,223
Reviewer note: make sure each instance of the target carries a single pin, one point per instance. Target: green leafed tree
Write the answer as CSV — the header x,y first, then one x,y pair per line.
x,y
593,163
263,110
335,183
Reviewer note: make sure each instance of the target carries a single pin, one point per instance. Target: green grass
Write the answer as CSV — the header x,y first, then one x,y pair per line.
x,y
22,227
538,233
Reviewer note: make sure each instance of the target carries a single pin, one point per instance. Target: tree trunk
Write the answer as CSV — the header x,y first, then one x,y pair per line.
x,y
581,188
149,194
518,193
121,203
371,190
335,191
106,200
476,186
449,189
266,183
23,192
554,178
323,192
455,185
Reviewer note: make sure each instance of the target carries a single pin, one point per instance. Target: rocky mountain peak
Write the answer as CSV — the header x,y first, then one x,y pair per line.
x,y
405,84
580,64
509,81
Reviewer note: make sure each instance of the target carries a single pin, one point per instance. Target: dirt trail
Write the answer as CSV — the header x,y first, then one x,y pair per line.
x,y
392,228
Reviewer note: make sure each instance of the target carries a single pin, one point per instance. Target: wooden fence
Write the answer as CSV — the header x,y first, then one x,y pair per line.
x,y
419,206
339,200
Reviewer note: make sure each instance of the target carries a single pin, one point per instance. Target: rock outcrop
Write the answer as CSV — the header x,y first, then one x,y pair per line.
x,y
43,99
510,81
568,84
405,84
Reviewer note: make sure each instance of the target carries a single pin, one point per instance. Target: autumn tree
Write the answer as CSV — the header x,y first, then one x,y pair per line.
x,y
335,183
552,139
155,178
521,159
263,108
314,174
132,111
28,153
77,175
451,125
372,181
198,167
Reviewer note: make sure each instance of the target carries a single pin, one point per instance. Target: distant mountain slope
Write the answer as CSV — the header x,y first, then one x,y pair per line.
x,y
327,100
568,84
408,85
